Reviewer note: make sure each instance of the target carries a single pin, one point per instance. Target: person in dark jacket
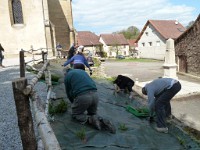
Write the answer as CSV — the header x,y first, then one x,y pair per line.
x,y
123,83
71,53
160,91
82,93
1,56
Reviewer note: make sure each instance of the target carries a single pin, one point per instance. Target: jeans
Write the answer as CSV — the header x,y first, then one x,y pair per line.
x,y
163,106
82,103
1,60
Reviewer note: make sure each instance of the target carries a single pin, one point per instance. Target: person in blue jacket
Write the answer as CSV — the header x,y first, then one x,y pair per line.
x,y
79,60
160,91
81,90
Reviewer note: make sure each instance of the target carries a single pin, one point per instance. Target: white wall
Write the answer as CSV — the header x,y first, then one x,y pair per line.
x,y
111,52
154,51
15,37
92,49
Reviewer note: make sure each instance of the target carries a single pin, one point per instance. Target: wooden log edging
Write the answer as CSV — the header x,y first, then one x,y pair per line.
x,y
25,121
33,82
49,83
45,131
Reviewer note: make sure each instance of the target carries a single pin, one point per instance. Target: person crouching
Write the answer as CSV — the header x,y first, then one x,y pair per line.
x,y
123,83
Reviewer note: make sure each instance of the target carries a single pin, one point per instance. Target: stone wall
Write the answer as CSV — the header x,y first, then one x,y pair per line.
x,y
60,14
45,23
15,37
187,46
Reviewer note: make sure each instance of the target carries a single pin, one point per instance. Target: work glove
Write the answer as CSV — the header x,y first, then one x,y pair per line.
x,y
151,119
131,95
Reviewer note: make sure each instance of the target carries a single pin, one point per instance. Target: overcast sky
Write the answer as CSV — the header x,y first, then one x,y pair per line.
x,y
107,16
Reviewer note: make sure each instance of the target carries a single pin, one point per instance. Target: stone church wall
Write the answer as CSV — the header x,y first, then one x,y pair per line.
x,y
45,23
15,37
188,45
60,14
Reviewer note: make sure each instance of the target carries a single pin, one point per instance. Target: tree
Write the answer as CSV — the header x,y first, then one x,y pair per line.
x,y
131,32
190,24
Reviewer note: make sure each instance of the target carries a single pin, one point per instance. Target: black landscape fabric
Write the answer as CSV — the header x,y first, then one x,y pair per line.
x,y
132,132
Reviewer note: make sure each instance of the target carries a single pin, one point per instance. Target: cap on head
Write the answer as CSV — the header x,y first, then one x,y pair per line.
x,y
80,48
144,91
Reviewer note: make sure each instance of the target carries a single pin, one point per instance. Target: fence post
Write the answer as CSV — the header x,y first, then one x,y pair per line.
x,y
25,121
44,57
22,63
33,57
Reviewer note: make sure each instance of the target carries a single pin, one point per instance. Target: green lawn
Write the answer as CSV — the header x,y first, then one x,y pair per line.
x,y
133,60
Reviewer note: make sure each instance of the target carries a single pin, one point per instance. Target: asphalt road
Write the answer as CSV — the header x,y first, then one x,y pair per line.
x,y
144,71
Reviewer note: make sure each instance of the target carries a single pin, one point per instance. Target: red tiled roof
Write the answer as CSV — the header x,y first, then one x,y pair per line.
x,y
87,38
132,42
113,39
166,28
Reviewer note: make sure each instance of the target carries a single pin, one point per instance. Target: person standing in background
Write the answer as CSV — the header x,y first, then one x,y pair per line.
x,y
1,56
59,49
71,53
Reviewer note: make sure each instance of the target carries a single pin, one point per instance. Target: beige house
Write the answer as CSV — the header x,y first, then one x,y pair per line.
x,y
90,41
114,44
152,39
35,23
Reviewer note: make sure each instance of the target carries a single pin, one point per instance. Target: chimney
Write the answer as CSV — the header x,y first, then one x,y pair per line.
x,y
176,22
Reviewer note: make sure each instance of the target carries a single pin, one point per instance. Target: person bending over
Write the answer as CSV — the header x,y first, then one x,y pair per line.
x,y
160,92
123,83
79,60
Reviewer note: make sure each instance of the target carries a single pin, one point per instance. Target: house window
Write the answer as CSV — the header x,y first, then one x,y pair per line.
x,y
143,44
17,12
147,34
124,46
150,43
157,43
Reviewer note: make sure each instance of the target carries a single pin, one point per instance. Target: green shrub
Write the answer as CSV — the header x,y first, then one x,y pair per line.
x,y
57,109
97,62
123,127
81,134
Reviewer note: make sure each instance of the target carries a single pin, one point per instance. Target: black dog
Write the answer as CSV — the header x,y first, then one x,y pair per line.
x,y
124,83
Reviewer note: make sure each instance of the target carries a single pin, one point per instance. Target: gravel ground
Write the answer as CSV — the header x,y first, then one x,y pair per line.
x,y
9,131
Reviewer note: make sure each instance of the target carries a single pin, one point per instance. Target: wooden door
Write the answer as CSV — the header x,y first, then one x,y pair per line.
x,y
182,64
